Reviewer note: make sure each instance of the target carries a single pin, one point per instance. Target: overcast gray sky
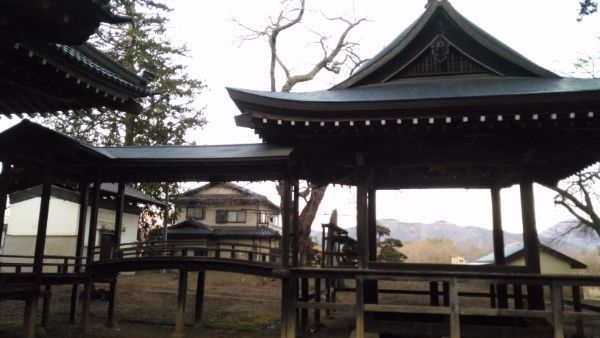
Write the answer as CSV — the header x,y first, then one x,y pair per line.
x,y
544,31
547,34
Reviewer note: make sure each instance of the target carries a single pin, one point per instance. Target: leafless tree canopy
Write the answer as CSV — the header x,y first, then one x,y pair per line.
x,y
580,197
336,51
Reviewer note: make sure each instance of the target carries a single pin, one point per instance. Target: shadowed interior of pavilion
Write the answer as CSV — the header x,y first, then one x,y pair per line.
x,y
444,105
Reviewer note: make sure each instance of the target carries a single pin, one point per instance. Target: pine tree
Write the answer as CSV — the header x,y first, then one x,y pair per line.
x,y
142,45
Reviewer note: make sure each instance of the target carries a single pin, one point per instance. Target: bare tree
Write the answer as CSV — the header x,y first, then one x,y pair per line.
x,y
581,199
337,52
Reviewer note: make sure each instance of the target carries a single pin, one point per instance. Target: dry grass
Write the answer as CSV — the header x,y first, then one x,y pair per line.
x,y
235,306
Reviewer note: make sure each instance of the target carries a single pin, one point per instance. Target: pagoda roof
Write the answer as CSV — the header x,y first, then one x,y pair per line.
x,y
58,21
441,23
46,67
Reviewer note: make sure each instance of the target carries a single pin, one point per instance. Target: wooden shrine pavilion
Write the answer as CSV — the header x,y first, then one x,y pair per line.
x,y
444,105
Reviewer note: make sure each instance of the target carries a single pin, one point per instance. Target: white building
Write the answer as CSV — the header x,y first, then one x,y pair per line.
x,y
63,220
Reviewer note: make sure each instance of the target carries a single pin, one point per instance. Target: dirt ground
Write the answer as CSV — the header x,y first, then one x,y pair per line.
x,y
235,306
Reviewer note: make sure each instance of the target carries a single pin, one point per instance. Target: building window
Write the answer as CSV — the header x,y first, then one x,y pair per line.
x,y
231,216
266,218
195,213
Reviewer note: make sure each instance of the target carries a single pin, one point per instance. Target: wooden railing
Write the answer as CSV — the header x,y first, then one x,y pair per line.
x,y
212,249
51,264
459,287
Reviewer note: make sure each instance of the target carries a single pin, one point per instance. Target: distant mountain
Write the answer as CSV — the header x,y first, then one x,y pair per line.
x,y
557,236
569,235
461,235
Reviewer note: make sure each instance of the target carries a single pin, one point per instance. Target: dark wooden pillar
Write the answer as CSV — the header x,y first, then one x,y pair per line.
x,y
296,224
285,224
289,285
120,207
4,184
362,219
181,297
38,256
40,241
91,243
199,297
371,286
498,234
115,251
535,293
46,305
289,291
84,194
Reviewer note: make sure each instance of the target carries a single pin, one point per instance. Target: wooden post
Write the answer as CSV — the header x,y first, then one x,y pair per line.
x,y
181,297
446,293
38,258
296,225
4,184
46,305
91,243
110,320
317,300
40,241
454,309
499,258
535,293
84,193
285,224
434,294
304,311
120,206
362,219
518,296
199,297
493,296
576,293
289,291
371,286
360,308
557,310
30,316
